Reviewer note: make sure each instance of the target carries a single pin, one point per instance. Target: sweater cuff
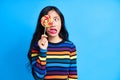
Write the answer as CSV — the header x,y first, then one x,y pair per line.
x,y
43,50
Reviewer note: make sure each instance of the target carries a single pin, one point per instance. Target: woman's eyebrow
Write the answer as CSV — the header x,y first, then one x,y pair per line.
x,y
55,16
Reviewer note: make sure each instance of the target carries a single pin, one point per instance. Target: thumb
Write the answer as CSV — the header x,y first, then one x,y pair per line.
x,y
44,36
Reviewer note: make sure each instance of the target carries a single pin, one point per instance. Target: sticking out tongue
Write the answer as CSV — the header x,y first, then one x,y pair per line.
x,y
53,31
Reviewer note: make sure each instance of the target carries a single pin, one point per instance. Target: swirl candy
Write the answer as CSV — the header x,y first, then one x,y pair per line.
x,y
46,21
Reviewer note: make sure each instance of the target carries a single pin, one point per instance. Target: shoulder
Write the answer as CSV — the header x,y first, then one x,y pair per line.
x,y
70,44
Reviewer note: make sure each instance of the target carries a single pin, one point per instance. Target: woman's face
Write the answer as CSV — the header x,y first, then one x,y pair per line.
x,y
54,30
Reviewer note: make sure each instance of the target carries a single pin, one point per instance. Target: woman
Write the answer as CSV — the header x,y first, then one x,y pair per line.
x,y
52,56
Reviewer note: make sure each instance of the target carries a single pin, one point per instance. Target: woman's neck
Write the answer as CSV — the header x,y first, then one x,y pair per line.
x,y
55,39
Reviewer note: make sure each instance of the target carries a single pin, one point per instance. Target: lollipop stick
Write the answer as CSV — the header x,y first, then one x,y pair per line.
x,y
44,30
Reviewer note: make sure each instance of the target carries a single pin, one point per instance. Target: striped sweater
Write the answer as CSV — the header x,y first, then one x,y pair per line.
x,y
58,62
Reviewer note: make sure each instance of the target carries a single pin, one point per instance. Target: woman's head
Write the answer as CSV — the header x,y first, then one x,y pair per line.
x,y
59,23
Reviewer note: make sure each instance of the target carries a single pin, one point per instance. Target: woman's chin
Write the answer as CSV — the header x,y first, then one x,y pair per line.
x,y
52,35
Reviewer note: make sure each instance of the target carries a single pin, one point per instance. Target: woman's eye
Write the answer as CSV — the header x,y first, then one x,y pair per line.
x,y
56,19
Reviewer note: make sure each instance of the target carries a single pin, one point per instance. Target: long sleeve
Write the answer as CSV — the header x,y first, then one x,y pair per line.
x,y
38,57
73,65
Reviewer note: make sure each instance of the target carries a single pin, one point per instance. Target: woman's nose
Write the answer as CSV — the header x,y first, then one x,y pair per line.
x,y
53,23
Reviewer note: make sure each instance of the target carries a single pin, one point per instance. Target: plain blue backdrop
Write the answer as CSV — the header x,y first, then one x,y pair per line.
x,y
93,26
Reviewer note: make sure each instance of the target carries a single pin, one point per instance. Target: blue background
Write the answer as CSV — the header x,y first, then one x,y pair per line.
x,y
93,25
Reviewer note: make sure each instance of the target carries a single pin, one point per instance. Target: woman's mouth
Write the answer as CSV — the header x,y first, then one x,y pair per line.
x,y
52,31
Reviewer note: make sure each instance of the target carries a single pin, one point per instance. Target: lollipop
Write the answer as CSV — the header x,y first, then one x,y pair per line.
x,y
46,22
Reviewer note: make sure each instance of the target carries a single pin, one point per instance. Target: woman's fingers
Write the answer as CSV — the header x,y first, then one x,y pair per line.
x,y
43,42
43,39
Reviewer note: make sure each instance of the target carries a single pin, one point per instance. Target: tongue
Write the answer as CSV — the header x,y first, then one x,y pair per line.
x,y
53,31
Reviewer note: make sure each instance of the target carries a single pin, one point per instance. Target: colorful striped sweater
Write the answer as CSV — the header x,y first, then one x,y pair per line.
x,y
58,62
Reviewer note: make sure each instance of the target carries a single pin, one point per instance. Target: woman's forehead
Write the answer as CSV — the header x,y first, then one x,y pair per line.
x,y
53,13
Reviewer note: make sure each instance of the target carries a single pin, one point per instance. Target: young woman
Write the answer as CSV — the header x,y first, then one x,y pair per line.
x,y
52,56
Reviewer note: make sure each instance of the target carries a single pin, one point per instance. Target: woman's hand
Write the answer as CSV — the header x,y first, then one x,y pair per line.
x,y
43,42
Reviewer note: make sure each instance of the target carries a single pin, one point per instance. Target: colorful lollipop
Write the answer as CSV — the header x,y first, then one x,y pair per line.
x,y
46,22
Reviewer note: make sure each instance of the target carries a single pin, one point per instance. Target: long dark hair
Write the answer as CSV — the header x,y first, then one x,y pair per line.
x,y
40,29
